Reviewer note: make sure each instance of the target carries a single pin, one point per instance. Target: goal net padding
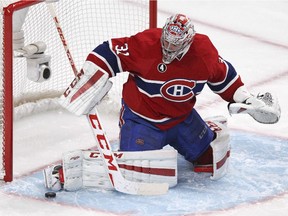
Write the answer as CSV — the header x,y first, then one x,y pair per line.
x,y
85,24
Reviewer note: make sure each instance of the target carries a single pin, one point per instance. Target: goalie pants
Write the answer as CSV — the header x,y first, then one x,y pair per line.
x,y
191,138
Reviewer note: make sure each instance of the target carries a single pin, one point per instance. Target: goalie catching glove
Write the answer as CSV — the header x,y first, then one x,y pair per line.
x,y
87,89
264,107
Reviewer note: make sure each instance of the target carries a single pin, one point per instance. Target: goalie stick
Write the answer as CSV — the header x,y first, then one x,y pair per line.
x,y
117,180
61,35
114,173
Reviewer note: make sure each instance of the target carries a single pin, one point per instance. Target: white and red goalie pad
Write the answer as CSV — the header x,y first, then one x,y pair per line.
x,y
85,169
220,149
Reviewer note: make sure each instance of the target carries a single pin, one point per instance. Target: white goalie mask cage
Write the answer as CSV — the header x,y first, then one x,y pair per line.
x,y
177,36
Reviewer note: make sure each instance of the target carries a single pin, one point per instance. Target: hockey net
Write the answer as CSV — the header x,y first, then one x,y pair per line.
x,y
85,24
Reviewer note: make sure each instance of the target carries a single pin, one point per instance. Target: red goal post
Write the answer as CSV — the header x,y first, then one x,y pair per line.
x,y
85,24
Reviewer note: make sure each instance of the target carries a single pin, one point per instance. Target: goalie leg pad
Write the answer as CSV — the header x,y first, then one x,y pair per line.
x,y
216,158
221,150
72,170
155,166
94,174
85,169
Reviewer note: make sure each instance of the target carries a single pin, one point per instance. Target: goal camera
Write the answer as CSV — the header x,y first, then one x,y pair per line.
x,y
38,67
38,64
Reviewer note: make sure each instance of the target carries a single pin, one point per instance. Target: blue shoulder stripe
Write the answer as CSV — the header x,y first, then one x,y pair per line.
x,y
105,51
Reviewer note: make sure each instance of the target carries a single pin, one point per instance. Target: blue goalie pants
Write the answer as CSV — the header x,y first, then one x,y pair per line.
x,y
191,138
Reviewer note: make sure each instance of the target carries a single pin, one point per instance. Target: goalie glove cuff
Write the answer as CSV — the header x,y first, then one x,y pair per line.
x,y
241,94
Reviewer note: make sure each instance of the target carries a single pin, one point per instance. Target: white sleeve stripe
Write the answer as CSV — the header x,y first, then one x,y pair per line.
x,y
118,59
227,86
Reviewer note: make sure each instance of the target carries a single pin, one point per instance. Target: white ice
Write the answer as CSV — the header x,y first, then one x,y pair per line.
x,y
252,35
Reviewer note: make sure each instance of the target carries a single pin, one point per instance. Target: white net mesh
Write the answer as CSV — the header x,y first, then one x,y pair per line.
x,y
85,24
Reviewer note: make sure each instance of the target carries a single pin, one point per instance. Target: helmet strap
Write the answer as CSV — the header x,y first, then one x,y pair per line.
x,y
185,50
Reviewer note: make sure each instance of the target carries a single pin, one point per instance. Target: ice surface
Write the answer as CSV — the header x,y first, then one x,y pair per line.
x,y
253,36
258,171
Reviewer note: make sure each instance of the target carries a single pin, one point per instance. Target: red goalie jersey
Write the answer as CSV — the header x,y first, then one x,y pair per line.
x,y
165,94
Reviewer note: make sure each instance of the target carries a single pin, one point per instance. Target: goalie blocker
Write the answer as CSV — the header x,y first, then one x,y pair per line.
x,y
87,89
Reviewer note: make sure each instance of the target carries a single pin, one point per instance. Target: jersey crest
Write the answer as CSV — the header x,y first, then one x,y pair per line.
x,y
178,90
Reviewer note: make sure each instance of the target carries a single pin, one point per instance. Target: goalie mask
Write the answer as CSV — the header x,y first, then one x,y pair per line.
x,y
177,36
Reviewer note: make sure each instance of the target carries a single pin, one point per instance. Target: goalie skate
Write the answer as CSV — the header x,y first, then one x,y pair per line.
x,y
51,178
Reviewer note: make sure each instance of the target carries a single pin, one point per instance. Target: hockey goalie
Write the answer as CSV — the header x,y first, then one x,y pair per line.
x,y
168,68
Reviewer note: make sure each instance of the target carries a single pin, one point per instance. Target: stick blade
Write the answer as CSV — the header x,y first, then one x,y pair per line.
x,y
142,188
153,189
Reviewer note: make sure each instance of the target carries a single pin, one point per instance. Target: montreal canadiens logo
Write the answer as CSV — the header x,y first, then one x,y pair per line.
x,y
178,90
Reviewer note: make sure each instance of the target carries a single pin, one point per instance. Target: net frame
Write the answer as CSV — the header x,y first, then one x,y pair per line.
x,y
6,81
